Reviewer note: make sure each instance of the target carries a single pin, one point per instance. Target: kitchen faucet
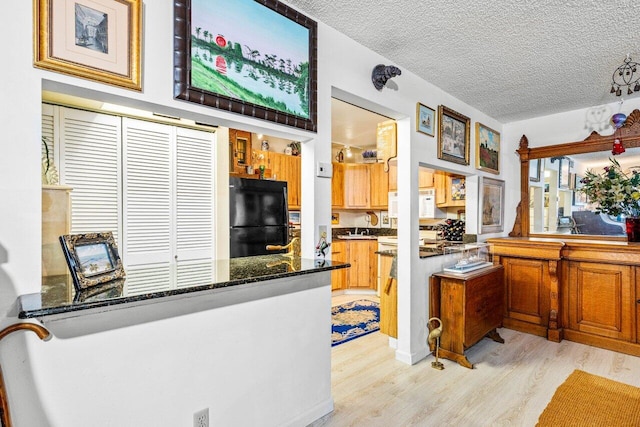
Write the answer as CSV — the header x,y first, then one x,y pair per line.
x,y
356,232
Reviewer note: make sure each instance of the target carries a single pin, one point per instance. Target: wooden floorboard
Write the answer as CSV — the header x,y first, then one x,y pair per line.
x,y
510,384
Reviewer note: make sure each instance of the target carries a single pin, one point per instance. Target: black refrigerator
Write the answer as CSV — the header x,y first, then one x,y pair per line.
x,y
258,216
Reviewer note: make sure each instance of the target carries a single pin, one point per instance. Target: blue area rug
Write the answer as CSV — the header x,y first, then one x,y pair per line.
x,y
353,320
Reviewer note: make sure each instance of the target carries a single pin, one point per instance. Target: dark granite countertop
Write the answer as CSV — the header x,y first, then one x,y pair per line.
x,y
58,295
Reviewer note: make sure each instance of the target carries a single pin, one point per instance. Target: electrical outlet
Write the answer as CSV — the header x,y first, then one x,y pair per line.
x,y
201,418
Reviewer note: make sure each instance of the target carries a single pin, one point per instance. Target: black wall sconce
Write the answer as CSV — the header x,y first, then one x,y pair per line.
x,y
382,73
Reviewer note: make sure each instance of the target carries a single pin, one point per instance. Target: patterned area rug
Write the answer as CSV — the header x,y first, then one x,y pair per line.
x,y
589,400
353,320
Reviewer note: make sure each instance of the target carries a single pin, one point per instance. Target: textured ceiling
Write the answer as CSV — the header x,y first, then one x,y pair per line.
x,y
511,59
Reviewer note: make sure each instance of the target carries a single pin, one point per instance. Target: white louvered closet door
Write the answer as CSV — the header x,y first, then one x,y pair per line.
x,y
194,207
89,163
148,205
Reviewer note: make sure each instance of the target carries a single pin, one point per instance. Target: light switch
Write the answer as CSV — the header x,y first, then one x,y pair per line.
x,y
324,170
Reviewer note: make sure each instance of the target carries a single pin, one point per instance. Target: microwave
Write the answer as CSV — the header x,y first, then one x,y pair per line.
x,y
426,204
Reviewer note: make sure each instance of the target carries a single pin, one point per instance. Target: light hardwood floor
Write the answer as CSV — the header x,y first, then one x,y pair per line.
x,y
510,385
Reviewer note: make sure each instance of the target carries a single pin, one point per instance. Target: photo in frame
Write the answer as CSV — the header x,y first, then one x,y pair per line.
x,y
535,169
458,190
492,205
256,58
453,136
425,119
102,44
92,259
487,149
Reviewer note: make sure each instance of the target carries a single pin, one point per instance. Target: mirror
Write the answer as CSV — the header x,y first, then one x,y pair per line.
x,y
550,177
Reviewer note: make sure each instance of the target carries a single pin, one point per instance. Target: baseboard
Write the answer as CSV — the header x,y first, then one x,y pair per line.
x,y
312,414
412,358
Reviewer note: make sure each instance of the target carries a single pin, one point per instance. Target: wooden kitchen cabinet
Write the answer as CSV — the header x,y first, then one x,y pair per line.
x,y
388,298
378,186
239,151
337,186
393,175
363,273
444,190
470,307
339,254
602,300
425,178
284,168
359,186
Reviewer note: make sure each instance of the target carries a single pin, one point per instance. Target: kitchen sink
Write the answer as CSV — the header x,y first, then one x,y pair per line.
x,y
356,237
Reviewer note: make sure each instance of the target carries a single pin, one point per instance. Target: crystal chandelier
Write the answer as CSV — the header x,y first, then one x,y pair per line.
x,y
626,75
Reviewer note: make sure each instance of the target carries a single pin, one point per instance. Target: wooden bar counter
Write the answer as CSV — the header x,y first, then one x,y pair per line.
x,y
582,290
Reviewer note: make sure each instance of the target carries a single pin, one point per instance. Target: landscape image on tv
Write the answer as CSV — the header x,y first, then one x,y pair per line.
x,y
243,50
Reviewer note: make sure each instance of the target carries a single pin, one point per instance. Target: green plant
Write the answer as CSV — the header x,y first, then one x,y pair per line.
x,y
613,191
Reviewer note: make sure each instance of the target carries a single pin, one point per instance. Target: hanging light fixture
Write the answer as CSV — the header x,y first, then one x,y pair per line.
x,y
626,75
348,151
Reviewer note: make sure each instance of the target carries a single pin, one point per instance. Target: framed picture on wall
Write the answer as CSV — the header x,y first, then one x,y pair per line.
x,y
492,205
425,119
453,136
256,58
487,149
93,39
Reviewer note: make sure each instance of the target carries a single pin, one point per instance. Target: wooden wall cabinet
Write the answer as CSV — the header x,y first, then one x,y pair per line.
x,y
239,151
337,186
359,186
470,307
378,186
443,185
284,168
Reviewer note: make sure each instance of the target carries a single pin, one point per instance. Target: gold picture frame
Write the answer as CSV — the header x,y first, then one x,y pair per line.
x,y
92,258
103,46
453,136
425,119
487,149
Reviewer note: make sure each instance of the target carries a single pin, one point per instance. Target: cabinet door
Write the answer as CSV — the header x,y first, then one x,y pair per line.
x,y
339,254
600,299
287,168
379,186
527,288
484,297
393,175
239,150
361,274
425,178
388,301
440,182
357,188
337,186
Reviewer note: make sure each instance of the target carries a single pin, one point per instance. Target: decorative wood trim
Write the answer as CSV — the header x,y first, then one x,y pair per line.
x,y
628,133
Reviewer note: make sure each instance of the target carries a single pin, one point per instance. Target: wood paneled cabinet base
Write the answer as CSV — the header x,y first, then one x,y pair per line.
x,y
470,307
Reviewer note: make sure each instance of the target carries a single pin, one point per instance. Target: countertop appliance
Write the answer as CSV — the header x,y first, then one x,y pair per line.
x,y
258,216
426,204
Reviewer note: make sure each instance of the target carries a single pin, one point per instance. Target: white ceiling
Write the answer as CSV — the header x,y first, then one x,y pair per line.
x,y
511,59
